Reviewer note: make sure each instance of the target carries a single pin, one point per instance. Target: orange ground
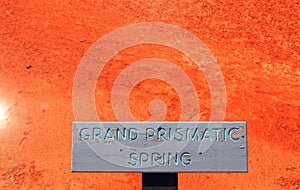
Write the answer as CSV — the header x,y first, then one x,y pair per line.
x,y
256,44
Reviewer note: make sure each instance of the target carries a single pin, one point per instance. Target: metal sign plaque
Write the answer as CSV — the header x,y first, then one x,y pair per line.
x,y
159,147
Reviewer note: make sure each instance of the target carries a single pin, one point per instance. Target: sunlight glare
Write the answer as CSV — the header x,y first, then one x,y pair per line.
x,y
2,113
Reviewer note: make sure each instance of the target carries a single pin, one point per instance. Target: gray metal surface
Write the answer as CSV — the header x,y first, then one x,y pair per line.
x,y
205,147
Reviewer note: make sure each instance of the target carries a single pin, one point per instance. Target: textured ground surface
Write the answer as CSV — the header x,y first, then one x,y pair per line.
x,y
255,43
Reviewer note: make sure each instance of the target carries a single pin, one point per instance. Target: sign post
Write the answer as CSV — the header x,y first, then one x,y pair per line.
x,y
159,147
157,181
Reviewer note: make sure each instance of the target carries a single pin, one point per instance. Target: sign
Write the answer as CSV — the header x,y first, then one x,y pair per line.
x,y
159,147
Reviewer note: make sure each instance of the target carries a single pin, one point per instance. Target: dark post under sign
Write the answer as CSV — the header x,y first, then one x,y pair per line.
x,y
160,181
